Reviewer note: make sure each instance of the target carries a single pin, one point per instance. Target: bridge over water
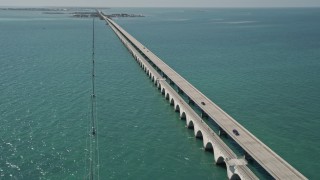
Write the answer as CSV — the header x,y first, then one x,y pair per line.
x,y
164,77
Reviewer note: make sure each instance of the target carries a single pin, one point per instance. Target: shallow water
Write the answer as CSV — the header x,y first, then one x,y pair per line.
x,y
260,65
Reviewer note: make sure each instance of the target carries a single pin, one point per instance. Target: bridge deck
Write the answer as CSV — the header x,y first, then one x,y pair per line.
x,y
269,160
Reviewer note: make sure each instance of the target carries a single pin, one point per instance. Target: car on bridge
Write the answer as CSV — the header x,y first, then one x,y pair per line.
x,y
235,132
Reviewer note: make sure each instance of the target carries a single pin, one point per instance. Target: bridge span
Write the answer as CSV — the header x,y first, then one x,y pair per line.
x,y
277,167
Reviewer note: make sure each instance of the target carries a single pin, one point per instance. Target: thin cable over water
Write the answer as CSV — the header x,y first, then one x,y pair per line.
x,y
93,170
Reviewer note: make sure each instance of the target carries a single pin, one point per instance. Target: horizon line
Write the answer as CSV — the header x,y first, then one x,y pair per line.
x,y
211,7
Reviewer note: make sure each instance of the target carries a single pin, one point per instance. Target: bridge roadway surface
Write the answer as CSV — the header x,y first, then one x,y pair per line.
x,y
277,167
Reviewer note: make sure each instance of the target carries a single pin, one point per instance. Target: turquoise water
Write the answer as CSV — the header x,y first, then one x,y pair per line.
x,y
260,65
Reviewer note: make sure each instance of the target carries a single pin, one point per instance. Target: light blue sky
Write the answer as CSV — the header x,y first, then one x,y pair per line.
x,y
165,3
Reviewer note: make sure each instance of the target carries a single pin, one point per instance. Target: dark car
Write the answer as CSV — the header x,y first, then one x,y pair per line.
x,y
203,103
235,132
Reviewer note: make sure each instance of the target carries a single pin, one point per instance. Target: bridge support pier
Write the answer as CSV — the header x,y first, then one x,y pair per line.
x,y
163,75
203,114
190,101
222,132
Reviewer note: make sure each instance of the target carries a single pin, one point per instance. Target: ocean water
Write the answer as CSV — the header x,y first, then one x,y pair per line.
x,y
260,65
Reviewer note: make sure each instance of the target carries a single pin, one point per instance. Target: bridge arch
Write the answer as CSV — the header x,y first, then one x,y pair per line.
x,y
220,161
163,91
209,147
177,108
190,125
152,78
183,116
199,134
159,86
172,102
167,96
148,72
235,177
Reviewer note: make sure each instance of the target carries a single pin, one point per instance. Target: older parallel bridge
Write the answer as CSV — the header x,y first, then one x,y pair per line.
x,y
164,77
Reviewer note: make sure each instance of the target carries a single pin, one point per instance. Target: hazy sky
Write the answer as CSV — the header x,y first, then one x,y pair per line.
x,y
165,3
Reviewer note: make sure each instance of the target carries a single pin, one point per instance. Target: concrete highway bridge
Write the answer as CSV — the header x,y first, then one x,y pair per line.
x,y
165,78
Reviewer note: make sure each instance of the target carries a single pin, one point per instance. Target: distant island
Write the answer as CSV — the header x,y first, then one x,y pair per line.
x,y
84,14
35,9
125,15
77,12
94,14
